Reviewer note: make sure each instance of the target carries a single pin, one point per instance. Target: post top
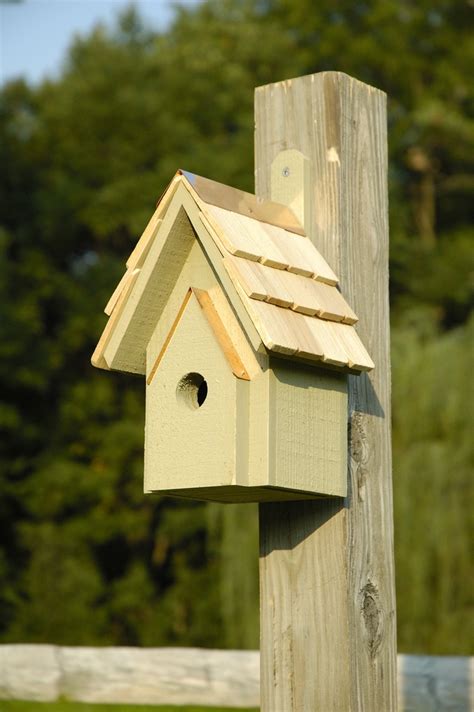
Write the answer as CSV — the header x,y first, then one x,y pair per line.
x,y
332,76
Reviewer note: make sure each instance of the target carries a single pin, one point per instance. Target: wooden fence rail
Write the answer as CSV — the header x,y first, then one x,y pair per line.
x,y
182,676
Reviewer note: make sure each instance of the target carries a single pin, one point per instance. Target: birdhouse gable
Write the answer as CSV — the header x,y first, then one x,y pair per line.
x,y
225,331
282,293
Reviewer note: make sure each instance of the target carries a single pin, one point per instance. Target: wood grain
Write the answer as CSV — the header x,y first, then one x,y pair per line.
x,y
271,245
291,290
295,164
292,333
229,348
245,237
327,572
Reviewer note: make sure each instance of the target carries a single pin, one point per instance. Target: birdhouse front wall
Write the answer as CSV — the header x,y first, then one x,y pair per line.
x,y
192,411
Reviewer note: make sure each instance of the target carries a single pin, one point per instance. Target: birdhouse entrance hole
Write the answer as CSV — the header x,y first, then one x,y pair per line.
x,y
192,390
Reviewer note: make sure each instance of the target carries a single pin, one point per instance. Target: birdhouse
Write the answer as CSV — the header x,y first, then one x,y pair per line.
x,y
245,341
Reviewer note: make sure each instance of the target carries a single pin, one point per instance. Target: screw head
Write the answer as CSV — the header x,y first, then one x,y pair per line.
x,y
285,172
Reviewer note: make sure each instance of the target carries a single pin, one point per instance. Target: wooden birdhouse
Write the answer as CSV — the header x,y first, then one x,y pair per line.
x,y
245,341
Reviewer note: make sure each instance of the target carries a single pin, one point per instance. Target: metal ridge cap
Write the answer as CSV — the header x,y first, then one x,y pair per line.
x,y
247,204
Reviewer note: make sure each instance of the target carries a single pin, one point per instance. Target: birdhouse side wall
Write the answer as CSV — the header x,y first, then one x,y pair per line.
x,y
307,429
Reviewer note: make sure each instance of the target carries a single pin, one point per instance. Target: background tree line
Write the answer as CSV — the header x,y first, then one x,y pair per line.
x,y
85,558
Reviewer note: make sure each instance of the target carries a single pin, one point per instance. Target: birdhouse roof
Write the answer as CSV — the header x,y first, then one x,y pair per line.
x,y
279,284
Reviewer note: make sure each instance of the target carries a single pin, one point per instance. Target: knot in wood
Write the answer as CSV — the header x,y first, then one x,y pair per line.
x,y
372,617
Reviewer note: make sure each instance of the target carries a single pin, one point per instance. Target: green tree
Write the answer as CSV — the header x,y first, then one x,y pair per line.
x,y
85,556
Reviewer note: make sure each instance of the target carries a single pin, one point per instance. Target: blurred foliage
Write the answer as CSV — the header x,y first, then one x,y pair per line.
x,y
433,414
85,557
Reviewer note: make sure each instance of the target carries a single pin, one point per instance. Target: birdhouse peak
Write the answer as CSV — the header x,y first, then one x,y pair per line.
x,y
206,236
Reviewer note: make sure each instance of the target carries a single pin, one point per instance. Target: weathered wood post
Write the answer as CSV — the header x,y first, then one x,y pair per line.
x,y
328,638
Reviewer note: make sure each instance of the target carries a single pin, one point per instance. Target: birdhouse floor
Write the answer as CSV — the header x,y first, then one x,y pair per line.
x,y
235,494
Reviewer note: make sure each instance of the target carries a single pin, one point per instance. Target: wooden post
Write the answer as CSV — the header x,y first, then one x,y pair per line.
x,y
328,625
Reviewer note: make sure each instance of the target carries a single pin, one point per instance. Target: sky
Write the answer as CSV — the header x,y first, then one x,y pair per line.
x,y
35,34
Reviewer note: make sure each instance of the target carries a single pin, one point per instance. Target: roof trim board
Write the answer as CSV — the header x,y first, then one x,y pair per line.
x,y
168,338
211,312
